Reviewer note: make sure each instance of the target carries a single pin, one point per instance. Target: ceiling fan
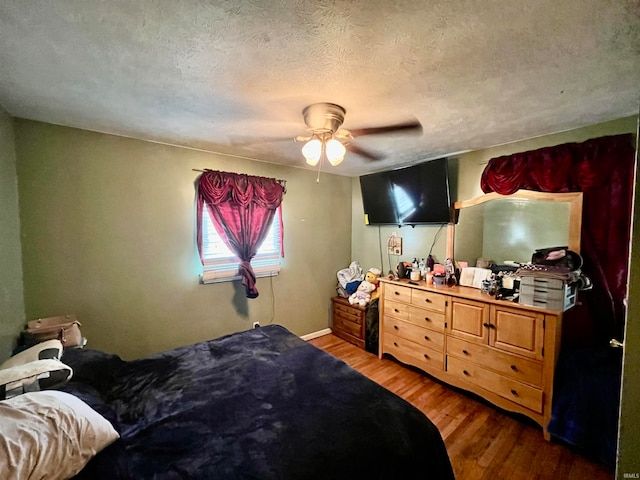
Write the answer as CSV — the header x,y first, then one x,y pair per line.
x,y
328,140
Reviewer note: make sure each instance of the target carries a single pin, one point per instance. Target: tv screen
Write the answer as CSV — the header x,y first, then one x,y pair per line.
x,y
414,195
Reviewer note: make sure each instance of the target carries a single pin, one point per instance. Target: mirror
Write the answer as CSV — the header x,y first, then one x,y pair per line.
x,y
505,228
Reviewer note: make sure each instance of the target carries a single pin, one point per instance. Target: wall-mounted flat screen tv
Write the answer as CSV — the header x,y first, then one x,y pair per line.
x,y
414,195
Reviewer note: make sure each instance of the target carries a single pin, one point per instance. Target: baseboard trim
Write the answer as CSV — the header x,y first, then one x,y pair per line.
x,y
319,333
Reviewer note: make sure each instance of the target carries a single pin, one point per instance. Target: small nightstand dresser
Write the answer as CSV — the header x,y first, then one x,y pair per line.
x,y
348,321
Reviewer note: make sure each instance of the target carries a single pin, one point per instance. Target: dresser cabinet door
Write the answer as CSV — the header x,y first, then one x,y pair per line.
x,y
517,331
470,320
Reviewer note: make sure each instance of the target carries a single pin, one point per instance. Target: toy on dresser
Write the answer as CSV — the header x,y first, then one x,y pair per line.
x,y
367,290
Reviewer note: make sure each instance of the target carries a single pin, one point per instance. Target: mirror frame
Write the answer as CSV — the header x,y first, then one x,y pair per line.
x,y
574,199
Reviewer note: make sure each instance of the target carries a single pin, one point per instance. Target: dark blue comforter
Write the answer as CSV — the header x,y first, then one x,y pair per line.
x,y
260,404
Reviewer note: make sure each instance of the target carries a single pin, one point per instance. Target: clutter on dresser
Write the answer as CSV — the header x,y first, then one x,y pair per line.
x,y
349,279
416,270
552,279
367,289
65,328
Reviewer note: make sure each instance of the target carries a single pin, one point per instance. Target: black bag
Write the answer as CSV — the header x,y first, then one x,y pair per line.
x,y
557,257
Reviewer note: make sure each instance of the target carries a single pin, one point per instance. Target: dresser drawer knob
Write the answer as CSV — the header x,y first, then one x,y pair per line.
x,y
465,352
395,344
514,393
396,292
427,319
396,327
486,325
514,368
396,310
428,300
465,372
426,337
426,356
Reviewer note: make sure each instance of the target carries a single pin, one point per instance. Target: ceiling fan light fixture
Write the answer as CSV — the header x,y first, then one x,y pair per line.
x,y
312,150
335,152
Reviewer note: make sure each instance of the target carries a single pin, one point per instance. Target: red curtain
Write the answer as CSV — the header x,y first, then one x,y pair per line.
x,y
601,168
241,208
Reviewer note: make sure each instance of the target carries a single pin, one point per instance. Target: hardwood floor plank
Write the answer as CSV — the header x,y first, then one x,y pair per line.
x,y
484,443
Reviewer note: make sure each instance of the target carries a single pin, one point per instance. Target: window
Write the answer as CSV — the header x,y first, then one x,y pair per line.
x,y
221,265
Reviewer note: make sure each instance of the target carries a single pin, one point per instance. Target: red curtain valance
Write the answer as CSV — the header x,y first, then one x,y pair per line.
x,y
216,187
571,167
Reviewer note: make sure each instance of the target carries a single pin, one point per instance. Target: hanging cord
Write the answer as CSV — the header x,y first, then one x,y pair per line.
x,y
380,245
435,237
389,255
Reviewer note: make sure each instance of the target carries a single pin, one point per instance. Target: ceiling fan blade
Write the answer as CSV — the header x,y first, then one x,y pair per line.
x,y
413,126
240,140
363,153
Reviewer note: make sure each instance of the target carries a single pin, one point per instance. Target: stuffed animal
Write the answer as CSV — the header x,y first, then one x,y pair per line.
x,y
373,276
367,290
362,295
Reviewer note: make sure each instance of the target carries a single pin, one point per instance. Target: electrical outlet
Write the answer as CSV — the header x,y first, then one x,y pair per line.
x,y
256,324
394,245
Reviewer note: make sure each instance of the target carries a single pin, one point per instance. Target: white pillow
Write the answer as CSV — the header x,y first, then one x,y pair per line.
x,y
50,435
51,349
32,377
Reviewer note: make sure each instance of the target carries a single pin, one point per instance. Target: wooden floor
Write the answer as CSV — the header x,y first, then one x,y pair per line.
x,y
483,442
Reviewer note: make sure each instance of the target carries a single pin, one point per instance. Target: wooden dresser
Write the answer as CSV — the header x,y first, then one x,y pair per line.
x,y
503,351
348,321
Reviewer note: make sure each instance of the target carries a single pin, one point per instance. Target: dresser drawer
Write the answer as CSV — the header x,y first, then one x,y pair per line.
x,y
520,369
412,353
419,335
430,300
348,321
350,314
542,282
347,326
397,293
426,318
508,388
396,310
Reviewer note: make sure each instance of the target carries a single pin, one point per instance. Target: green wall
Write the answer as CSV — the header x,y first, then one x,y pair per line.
x,y
11,294
108,234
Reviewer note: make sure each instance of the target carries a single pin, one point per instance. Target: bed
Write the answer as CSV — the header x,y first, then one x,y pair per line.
x,y
259,404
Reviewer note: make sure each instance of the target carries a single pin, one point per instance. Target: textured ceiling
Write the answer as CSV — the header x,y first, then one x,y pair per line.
x,y
215,75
